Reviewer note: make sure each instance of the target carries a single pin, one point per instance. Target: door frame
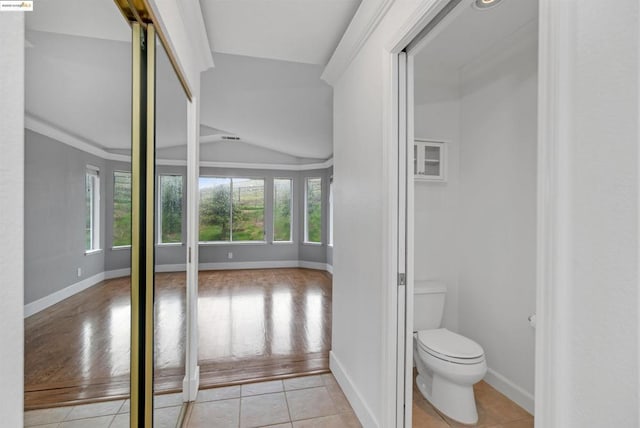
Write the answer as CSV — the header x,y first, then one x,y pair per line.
x,y
553,252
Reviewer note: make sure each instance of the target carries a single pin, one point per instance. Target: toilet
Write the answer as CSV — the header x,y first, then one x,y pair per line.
x,y
448,364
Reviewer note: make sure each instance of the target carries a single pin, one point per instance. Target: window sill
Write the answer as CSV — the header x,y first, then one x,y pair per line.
x,y
313,244
170,244
283,242
232,243
89,252
121,247
330,245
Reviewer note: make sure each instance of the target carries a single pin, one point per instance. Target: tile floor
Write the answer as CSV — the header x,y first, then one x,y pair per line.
x,y
109,414
494,411
303,402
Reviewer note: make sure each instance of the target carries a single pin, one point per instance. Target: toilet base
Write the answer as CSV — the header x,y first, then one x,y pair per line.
x,y
455,401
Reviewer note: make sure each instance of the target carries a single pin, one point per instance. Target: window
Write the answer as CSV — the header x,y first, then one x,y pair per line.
x,y
231,209
121,209
331,211
313,210
282,204
170,209
92,209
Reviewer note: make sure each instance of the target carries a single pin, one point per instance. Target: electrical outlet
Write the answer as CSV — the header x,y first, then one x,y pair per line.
x,y
79,272
229,255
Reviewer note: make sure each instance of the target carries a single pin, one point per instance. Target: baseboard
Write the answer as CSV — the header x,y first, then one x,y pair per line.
x,y
172,268
363,412
118,273
58,296
249,265
516,394
330,268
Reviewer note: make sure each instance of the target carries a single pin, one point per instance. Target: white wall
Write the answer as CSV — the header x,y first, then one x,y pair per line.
x,y
436,248
11,217
597,360
498,117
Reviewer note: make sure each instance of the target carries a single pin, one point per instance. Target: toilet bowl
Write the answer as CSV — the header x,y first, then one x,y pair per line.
x,y
448,366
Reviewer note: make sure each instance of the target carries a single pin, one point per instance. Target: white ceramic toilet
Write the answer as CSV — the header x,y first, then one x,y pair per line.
x,y
448,364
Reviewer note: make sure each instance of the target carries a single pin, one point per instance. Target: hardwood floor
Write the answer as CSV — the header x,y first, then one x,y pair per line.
x,y
254,324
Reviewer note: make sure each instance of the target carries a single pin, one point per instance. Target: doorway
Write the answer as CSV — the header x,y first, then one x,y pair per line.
x,y
468,84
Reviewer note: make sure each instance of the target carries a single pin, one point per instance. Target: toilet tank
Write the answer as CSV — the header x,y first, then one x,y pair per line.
x,y
428,304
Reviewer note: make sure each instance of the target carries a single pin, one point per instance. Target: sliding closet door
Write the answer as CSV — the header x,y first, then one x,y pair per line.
x,y
170,237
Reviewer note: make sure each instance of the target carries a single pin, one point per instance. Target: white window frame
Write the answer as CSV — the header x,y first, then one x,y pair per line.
x,y
264,196
273,210
306,214
159,231
92,175
113,223
330,221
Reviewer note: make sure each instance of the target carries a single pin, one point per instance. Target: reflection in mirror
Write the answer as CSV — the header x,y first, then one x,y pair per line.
x,y
77,213
170,278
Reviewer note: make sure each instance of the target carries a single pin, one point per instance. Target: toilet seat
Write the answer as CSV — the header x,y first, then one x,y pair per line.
x,y
449,346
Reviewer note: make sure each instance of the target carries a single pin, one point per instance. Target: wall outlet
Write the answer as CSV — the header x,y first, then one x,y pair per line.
x,y
79,272
229,255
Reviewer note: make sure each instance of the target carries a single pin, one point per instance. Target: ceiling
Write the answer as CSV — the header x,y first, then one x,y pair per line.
x,y
306,31
78,76
468,35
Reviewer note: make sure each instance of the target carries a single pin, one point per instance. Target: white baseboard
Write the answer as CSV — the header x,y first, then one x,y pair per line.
x,y
363,412
118,273
58,296
515,393
249,265
171,268
330,268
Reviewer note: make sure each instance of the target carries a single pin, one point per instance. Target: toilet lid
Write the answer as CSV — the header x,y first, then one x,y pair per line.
x,y
449,344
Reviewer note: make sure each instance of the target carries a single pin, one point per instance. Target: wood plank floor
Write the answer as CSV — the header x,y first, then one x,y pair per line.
x,y
254,325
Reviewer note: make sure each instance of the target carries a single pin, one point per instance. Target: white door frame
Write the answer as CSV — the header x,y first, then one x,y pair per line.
x,y
553,254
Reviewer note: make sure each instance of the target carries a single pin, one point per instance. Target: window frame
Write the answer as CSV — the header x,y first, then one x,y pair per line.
x,y
306,209
182,205
291,211
330,219
264,205
113,201
92,175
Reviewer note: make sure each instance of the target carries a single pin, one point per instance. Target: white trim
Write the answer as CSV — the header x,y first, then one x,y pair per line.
x,y
50,300
191,385
94,251
314,265
554,255
269,166
52,131
181,267
515,393
329,268
363,24
58,134
217,243
359,405
118,273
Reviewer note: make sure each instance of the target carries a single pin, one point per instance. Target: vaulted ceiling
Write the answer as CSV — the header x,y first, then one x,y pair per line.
x,y
265,87
306,31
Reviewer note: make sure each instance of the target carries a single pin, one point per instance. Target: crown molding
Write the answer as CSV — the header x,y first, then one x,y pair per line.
x,y
364,22
51,131
36,125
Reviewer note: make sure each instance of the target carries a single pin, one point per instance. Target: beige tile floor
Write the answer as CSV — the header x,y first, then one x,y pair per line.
x,y
109,414
304,402
494,411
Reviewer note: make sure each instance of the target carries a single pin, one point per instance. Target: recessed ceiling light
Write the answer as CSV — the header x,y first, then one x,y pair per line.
x,y
486,4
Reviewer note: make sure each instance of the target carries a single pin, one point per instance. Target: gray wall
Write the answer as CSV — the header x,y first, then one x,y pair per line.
x,y
54,216
54,219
